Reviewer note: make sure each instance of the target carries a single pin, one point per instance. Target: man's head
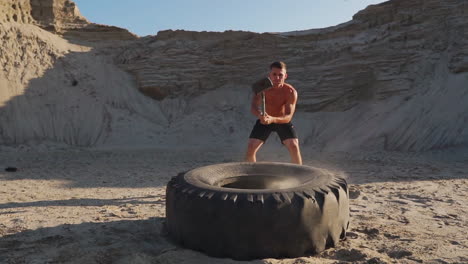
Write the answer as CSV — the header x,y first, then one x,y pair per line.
x,y
278,73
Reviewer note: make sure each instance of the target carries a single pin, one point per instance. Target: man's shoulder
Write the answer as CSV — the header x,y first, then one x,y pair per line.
x,y
289,88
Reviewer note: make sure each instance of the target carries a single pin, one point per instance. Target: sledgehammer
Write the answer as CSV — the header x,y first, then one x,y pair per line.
x,y
259,87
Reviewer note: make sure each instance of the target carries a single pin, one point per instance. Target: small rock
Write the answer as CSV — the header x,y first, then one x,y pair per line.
x,y
350,255
375,261
398,254
354,193
390,236
352,235
372,232
11,169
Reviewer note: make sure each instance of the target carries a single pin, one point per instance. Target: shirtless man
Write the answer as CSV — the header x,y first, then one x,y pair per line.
x,y
280,105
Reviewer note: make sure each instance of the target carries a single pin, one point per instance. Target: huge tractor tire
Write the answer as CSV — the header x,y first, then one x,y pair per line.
x,y
257,210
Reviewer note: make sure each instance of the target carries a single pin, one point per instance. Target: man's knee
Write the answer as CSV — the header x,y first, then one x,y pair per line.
x,y
254,144
291,143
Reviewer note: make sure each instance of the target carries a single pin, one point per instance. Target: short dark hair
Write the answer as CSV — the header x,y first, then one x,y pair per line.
x,y
278,64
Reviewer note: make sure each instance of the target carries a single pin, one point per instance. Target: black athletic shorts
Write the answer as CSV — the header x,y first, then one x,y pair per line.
x,y
284,131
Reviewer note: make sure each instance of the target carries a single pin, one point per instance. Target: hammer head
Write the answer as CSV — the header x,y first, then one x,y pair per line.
x,y
261,85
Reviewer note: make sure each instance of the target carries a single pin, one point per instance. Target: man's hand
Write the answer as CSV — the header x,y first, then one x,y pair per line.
x,y
266,119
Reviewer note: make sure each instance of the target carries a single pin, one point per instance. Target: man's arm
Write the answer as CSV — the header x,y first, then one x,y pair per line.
x,y
255,106
290,108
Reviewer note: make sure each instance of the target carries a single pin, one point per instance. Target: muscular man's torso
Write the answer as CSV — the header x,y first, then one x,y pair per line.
x,y
276,98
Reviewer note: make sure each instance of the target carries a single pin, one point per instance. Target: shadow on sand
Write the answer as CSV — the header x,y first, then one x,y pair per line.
x,y
139,241
152,199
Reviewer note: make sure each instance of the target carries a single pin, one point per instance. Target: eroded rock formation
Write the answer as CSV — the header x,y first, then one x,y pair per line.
x,y
61,17
15,11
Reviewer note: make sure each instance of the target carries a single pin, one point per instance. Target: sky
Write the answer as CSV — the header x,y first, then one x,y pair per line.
x,y
147,17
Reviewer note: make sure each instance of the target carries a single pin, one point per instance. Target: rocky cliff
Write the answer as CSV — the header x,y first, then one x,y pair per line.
x,y
395,77
61,17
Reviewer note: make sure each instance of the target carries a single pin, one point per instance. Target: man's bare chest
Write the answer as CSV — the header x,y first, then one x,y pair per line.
x,y
277,98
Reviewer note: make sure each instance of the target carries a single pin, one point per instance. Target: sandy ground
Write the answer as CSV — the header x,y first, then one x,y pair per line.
x,y
107,206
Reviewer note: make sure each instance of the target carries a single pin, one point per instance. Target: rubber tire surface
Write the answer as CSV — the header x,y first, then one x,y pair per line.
x,y
244,224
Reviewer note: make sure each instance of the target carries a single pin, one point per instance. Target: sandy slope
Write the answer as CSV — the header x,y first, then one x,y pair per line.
x,y
107,206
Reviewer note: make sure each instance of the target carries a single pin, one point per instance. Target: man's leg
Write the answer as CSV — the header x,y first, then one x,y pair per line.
x,y
252,148
292,144
257,137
